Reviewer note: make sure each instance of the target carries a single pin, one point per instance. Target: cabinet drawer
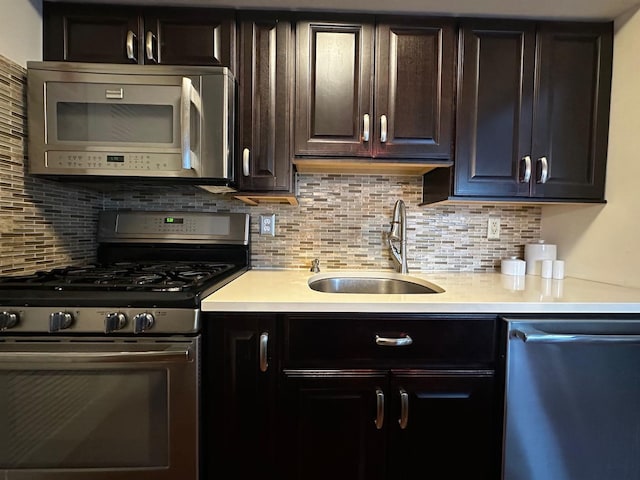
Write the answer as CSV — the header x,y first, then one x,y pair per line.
x,y
348,340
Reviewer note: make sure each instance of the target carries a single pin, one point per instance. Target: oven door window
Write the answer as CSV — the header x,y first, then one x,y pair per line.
x,y
83,419
99,409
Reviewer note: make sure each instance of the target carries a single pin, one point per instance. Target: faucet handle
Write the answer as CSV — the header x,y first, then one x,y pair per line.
x,y
315,265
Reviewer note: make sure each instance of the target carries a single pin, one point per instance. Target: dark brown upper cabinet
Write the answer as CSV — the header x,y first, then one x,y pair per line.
x,y
179,36
119,34
377,88
532,113
265,86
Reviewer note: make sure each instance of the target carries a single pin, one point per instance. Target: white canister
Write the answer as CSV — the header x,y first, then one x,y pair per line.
x,y
534,253
512,266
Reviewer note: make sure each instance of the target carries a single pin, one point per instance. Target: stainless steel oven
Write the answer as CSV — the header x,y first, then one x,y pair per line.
x,y
99,408
100,363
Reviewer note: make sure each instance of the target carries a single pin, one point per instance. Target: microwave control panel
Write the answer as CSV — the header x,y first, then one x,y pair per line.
x,y
60,160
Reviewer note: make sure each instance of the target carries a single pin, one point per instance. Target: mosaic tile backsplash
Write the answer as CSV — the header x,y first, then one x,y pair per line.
x,y
340,219
42,224
343,221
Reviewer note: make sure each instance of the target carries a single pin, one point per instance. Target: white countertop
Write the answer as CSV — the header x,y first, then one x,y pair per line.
x,y
288,291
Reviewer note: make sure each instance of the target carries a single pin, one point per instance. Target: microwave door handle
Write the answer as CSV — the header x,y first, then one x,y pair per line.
x,y
189,96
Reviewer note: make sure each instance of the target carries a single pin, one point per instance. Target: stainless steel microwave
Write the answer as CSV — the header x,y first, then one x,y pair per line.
x,y
116,121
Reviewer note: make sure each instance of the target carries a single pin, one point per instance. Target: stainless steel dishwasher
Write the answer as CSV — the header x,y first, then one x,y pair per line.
x,y
572,399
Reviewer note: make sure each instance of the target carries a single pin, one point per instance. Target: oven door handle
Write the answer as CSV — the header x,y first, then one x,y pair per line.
x,y
173,356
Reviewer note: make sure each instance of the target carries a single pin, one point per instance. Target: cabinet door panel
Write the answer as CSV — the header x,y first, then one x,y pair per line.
x,y
81,33
414,89
572,110
494,109
333,88
190,37
449,424
239,396
265,70
330,425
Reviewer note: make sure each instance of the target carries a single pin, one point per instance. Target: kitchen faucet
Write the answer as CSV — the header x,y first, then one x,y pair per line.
x,y
397,237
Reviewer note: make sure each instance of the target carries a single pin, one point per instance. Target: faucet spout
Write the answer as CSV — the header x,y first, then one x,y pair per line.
x,y
398,237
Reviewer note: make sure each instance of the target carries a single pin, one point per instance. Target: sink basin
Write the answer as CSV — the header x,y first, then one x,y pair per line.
x,y
371,283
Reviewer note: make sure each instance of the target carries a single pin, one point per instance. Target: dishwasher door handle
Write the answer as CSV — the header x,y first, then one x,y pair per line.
x,y
533,335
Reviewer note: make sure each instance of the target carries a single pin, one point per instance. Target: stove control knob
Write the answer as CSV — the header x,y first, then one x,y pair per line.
x,y
114,321
143,322
59,321
8,320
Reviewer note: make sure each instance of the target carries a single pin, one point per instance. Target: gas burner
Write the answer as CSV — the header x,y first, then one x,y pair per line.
x,y
149,279
195,276
171,286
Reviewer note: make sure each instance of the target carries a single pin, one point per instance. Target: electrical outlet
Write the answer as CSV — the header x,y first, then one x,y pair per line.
x,y
493,229
268,224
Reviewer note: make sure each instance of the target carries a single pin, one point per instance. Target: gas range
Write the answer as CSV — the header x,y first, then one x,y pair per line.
x,y
152,272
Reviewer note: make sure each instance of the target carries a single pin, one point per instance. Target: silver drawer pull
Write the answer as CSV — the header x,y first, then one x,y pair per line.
x,y
394,342
379,421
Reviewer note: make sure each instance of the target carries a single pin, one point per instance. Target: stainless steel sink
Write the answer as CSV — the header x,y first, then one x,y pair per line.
x,y
371,283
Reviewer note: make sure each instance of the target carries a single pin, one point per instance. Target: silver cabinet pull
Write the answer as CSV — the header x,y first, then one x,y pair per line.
x,y
245,162
526,177
365,133
189,96
264,344
404,409
544,175
131,54
217,44
394,342
379,409
149,46
383,128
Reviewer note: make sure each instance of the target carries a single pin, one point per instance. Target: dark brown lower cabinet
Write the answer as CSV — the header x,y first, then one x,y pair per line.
x,y
395,425
350,396
238,407
388,397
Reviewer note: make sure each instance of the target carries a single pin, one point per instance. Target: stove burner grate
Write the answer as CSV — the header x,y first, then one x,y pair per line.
x,y
123,276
